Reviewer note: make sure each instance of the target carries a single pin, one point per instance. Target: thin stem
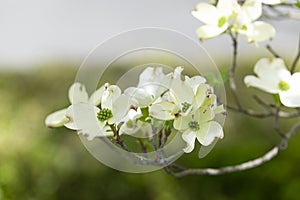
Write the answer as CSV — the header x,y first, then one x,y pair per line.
x,y
232,83
143,147
293,67
271,50
276,123
243,166
118,139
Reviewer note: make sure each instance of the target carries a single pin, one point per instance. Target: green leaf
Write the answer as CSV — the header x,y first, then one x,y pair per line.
x,y
297,4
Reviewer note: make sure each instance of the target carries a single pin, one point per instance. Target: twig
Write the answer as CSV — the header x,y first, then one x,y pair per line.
x,y
232,83
293,67
143,147
276,123
271,113
118,139
271,50
246,165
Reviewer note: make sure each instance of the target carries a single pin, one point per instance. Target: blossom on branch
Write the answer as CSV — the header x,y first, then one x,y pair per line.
x,y
274,77
228,15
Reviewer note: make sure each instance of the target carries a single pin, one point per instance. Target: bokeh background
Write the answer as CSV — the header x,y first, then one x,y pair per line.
x,y
42,44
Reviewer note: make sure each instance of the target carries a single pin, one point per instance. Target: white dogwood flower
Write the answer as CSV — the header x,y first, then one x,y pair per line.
x,y
228,14
85,116
216,18
273,77
135,125
246,24
183,97
200,125
77,94
152,84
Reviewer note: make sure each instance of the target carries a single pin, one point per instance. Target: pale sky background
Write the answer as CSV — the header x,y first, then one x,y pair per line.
x,y
35,31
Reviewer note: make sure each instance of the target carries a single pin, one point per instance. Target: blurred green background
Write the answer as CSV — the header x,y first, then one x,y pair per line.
x,y
41,163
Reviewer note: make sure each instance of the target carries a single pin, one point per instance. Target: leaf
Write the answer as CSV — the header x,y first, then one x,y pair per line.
x,y
297,4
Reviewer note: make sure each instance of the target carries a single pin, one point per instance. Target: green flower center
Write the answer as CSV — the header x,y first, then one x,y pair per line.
x,y
104,114
244,28
284,86
194,125
185,106
221,21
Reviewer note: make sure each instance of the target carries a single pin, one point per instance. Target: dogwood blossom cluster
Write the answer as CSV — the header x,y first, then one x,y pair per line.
x,y
239,19
274,77
187,104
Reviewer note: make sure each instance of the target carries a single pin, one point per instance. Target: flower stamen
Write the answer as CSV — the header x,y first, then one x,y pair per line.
x,y
284,86
104,114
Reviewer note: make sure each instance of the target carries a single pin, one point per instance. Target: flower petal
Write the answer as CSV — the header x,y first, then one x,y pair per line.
x,y
250,11
270,72
258,31
291,97
120,108
78,94
182,123
111,93
139,96
210,31
194,82
206,13
201,95
56,119
163,110
154,81
83,116
209,132
189,137
227,7
96,97
181,92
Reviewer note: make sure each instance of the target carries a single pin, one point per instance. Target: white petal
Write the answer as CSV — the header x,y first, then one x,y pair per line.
x,y
177,72
291,97
120,108
102,131
189,137
210,31
227,7
111,93
83,116
181,92
154,81
250,11
204,114
162,111
182,123
78,94
139,96
96,97
270,72
209,132
219,110
253,81
56,119
194,82
206,13
134,114
201,95
258,31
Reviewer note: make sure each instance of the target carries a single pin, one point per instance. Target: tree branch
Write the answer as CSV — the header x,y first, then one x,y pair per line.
x,y
243,166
